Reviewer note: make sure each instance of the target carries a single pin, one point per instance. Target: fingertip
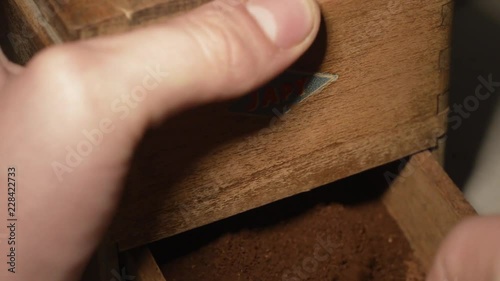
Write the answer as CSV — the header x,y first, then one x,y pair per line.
x,y
471,251
287,23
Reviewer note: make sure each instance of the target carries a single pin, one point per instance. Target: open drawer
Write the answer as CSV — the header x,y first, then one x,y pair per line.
x,y
419,201
382,67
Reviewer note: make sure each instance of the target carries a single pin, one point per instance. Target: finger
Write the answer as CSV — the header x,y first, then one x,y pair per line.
x,y
70,92
220,50
470,253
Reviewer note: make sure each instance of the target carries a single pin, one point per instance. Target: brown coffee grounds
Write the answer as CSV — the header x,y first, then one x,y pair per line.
x,y
326,234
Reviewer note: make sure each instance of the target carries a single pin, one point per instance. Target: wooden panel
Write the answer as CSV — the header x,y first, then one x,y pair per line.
x,y
426,204
209,164
83,18
27,30
420,197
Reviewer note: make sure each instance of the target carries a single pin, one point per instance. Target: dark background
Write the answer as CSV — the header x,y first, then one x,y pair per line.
x,y
475,52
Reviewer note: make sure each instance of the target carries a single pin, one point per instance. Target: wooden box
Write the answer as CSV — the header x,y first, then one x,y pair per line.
x,y
417,194
386,68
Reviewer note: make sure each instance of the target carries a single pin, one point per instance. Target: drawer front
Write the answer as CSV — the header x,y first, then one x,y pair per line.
x,y
389,60
421,199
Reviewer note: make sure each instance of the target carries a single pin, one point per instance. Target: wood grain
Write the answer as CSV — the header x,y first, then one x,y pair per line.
x,y
420,197
83,19
209,164
27,30
426,204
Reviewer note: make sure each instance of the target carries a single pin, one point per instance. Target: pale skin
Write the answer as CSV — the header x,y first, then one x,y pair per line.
x,y
216,52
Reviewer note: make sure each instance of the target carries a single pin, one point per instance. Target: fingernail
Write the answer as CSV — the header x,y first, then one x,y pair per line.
x,y
286,23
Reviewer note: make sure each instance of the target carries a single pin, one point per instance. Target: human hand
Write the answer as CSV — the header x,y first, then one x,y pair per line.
x,y
470,253
98,97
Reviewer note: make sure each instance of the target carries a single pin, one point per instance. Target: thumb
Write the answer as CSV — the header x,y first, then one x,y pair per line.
x,y
218,51
118,86
470,253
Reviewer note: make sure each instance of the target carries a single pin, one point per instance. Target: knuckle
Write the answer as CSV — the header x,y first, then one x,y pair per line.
x,y
63,67
223,45
65,75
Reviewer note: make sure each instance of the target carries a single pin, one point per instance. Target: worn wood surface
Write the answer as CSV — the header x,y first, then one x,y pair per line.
x,y
426,204
420,197
27,30
208,164
82,18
